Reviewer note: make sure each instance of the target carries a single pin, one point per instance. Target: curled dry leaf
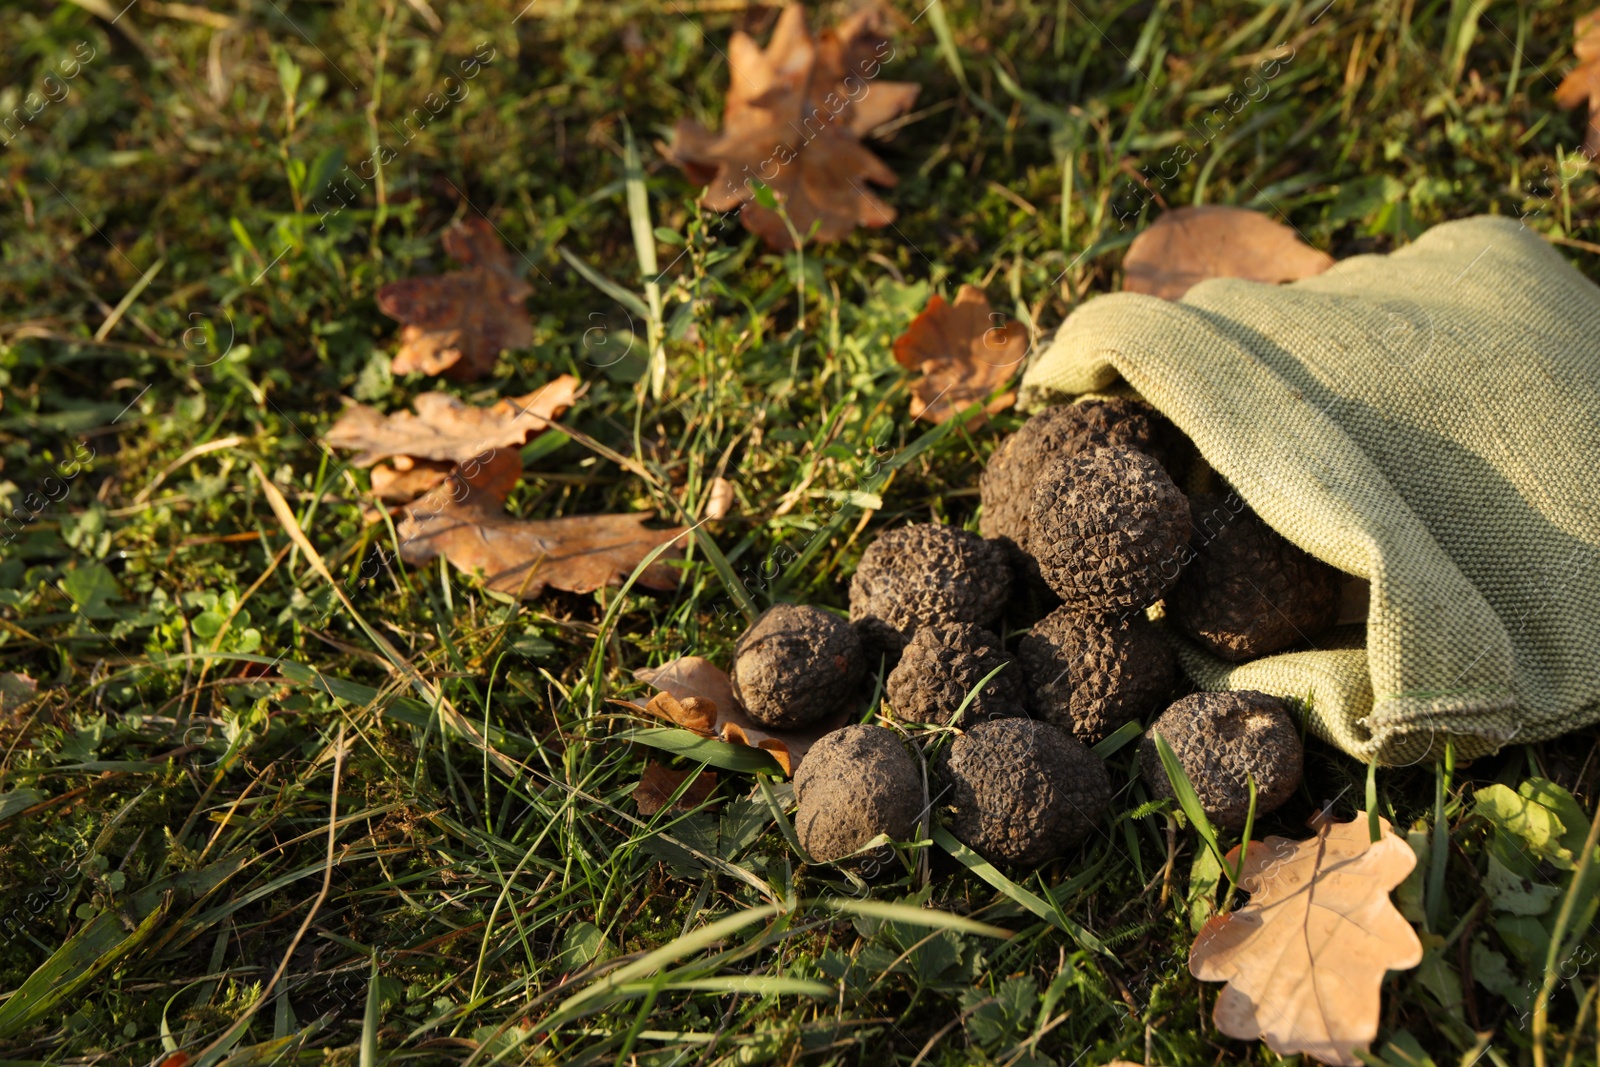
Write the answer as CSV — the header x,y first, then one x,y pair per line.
x,y
446,430
457,323
794,118
658,783
1582,84
1305,959
1187,245
698,689
964,350
521,557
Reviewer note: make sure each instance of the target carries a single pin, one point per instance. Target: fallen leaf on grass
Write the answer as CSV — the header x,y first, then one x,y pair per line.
x,y
964,350
700,698
1187,245
658,783
457,323
446,430
521,557
719,502
1582,83
794,119
1305,959
409,479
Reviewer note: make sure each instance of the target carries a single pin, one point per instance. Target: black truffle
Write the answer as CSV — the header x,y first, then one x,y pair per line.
x,y
1021,792
796,665
1107,529
1248,592
1089,674
1055,433
923,574
853,785
1223,740
942,664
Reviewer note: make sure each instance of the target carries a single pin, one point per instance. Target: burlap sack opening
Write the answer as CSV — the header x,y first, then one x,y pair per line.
x,y
1428,420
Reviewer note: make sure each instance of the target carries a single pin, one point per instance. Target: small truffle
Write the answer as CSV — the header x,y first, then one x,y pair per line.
x,y
796,665
853,785
1021,792
1008,480
1223,740
1248,592
942,664
1089,674
1109,530
923,574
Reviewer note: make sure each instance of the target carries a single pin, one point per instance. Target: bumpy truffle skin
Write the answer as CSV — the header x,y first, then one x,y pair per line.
x,y
796,665
924,574
1089,674
1223,740
1021,792
1056,433
1248,592
942,664
853,785
1109,530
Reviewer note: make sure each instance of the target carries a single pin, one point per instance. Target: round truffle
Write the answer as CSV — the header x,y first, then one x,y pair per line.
x,y
1248,592
1089,674
923,574
1108,529
796,665
942,664
1021,792
1223,740
853,785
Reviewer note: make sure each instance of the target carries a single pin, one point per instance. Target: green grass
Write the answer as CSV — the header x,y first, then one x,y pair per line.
x,y
178,306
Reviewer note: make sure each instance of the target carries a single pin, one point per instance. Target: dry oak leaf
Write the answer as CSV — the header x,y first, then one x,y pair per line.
x,y
409,479
521,557
457,323
702,694
1188,245
446,429
1305,959
794,118
964,350
1582,83
658,783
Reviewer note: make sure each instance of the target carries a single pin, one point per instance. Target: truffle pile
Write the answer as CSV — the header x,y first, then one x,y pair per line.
x,y
1080,508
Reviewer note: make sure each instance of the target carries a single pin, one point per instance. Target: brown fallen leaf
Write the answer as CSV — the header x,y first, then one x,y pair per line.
x,y
409,479
794,118
1582,83
446,430
693,683
1305,959
457,323
964,350
1190,244
658,783
521,557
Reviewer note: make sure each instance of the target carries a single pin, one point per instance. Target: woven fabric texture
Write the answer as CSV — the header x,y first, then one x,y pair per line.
x,y
1428,420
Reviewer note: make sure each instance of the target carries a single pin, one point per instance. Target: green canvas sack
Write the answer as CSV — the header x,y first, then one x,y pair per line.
x,y
1428,420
